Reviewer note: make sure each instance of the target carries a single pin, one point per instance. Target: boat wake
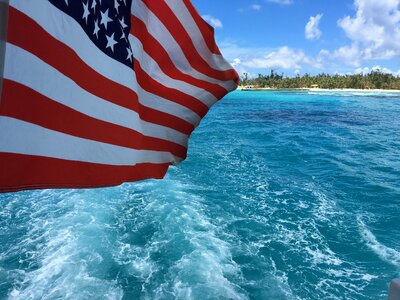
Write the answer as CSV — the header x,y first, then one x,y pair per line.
x,y
387,254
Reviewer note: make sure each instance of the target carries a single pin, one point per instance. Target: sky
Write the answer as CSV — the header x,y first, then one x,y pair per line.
x,y
306,36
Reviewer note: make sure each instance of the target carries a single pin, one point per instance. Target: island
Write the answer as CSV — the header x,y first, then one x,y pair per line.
x,y
374,81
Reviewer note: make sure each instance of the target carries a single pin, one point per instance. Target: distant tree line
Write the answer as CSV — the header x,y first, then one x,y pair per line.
x,y
374,80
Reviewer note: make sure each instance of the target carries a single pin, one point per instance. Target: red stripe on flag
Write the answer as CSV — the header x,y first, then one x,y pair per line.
x,y
23,172
174,26
152,86
26,104
27,34
156,51
206,30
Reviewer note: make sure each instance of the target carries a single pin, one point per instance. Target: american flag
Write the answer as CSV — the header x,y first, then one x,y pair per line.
x,y
101,92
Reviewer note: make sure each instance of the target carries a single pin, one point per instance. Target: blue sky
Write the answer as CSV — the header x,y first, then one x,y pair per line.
x,y
298,36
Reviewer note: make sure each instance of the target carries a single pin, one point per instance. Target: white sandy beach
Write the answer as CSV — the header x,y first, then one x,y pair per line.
x,y
354,90
324,90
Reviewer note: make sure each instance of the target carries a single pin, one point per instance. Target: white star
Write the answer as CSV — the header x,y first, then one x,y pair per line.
x,y
123,35
116,4
94,3
96,29
86,11
122,22
111,42
104,18
130,54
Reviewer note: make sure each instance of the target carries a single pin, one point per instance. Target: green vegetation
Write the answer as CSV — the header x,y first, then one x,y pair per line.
x,y
374,80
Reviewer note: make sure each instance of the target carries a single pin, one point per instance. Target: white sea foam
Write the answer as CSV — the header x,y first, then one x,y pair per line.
x,y
206,268
326,256
233,222
54,245
283,281
375,94
327,209
199,263
369,277
387,254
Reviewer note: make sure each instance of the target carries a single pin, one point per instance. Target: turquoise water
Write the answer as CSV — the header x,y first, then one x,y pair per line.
x,y
284,195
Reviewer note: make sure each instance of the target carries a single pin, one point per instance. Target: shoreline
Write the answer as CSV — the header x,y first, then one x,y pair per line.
x,y
356,90
242,88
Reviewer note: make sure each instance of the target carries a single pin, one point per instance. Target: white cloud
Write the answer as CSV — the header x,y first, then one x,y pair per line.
x,y
374,33
236,62
260,60
214,22
367,70
348,54
295,61
285,2
283,58
375,28
382,69
240,69
231,50
312,30
361,71
374,36
256,7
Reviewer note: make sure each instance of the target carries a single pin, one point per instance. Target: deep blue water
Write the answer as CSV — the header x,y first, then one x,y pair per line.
x,y
284,195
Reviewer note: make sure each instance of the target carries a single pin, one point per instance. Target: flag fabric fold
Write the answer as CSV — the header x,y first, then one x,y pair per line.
x,y
97,93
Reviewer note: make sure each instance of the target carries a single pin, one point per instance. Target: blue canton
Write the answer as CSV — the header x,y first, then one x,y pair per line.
x,y
106,22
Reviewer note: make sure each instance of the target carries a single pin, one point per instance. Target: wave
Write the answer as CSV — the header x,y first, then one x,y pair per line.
x,y
58,249
385,253
357,94
108,242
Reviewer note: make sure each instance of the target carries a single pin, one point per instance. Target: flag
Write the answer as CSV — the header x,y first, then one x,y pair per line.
x,y
100,92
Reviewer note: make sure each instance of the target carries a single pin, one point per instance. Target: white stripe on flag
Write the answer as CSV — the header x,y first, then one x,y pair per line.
x,y
180,11
25,138
27,69
161,104
157,29
73,36
65,29
151,67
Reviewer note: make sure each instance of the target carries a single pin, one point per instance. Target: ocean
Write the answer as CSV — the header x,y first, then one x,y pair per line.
x,y
284,195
